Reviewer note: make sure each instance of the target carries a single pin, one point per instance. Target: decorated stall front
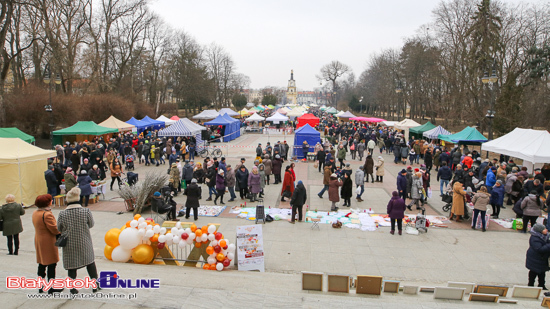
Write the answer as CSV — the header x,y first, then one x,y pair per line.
x,y
81,131
308,134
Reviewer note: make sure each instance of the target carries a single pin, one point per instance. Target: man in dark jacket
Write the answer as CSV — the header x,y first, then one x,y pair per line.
x,y
259,150
277,165
444,175
297,201
321,156
159,206
241,177
428,160
402,184
193,193
51,181
537,255
187,172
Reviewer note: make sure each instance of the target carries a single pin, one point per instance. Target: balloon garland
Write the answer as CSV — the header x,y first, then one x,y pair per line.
x,y
137,238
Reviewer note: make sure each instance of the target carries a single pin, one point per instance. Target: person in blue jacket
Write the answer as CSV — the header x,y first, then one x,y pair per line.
x,y
497,198
491,178
537,255
402,184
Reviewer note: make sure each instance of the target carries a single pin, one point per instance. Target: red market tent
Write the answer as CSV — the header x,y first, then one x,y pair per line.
x,y
176,118
307,119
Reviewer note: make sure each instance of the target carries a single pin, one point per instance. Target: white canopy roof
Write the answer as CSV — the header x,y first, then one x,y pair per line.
x,y
166,120
193,126
530,145
406,124
297,112
228,111
207,114
255,117
346,114
277,117
388,123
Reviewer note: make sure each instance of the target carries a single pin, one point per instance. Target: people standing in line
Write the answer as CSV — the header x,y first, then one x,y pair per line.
x,y
220,187
402,184
444,175
45,233
368,169
84,183
116,171
193,193
333,195
231,180
347,190
75,222
242,181
297,201
396,212
288,184
497,198
531,207
480,200
379,169
458,201
11,213
360,182
537,255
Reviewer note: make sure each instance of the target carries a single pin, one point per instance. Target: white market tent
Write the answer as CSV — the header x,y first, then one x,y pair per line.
x,y
196,128
297,112
277,117
113,123
405,125
22,167
178,129
229,112
346,114
207,114
532,146
255,117
434,133
167,121
388,123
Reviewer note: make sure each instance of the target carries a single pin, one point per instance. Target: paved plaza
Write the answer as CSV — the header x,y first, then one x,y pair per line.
x,y
456,253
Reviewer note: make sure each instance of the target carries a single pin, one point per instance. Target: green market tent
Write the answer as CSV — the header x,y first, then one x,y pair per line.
x,y
16,133
418,131
81,130
469,136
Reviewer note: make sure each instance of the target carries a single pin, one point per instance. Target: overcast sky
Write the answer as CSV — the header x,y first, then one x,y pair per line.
x,y
269,38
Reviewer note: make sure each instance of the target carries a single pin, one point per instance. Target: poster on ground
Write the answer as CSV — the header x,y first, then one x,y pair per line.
x,y
250,247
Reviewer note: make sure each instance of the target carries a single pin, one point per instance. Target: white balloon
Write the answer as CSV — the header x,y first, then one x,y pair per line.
x,y
128,239
192,236
149,233
173,231
134,223
141,232
162,238
219,267
142,225
179,232
214,243
176,239
211,228
168,240
149,227
231,256
189,241
211,237
182,244
204,237
156,229
120,254
162,230
141,219
178,225
211,260
188,231
224,252
231,248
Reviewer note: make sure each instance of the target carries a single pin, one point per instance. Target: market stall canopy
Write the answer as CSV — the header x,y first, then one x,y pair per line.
x,y
207,114
282,111
368,119
85,128
526,144
467,136
277,117
406,124
166,120
255,117
176,118
113,123
388,123
218,121
295,113
140,125
16,133
310,119
180,128
331,110
154,123
271,106
22,167
421,129
193,126
346,114
435,132
229,112
308,134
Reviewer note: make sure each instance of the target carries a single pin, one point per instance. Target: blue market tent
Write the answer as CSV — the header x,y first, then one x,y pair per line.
x,y
236,126
308,134
154,124
140,125
227,125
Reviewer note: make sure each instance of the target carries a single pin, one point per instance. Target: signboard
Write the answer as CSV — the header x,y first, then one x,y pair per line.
x,y
250,248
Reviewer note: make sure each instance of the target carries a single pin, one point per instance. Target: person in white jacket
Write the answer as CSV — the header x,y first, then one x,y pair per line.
x,y
360,181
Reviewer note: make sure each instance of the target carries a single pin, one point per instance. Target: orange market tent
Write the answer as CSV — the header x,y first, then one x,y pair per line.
x,y
307,119
22,167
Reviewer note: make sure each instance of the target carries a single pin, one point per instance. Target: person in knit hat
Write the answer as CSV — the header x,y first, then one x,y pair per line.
x,y
537,255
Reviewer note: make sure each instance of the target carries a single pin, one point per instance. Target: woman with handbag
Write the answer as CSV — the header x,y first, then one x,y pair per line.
x,y
288,184
74,224
45,234
11,213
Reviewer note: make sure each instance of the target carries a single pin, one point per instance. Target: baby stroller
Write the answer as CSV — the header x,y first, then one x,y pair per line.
x,y
447,198
129,162
132,178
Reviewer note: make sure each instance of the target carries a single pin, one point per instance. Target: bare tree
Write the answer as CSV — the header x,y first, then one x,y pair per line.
x,y
330,73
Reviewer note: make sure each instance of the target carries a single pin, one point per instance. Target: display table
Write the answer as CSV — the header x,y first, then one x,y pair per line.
x,y
100,188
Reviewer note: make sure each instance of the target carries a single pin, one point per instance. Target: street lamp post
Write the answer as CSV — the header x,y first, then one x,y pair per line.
x,y
361,102
48,108
490,80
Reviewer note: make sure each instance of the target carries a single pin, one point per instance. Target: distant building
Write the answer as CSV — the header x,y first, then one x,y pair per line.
x,y
307,97
291,94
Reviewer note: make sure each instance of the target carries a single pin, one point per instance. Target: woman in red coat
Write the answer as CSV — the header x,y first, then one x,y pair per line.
x,y
288,184
292,172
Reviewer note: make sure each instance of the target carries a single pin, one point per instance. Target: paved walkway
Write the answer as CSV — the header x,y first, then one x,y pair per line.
x,y
432,259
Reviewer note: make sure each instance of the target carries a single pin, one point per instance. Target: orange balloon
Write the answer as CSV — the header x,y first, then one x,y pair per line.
x,y
128,224
198,244
148,222
122,228
108,251
154,238
209,250
168,231
206,266
111,237
212,266
136,217
220,257
223,243
198,233
204,229
193,228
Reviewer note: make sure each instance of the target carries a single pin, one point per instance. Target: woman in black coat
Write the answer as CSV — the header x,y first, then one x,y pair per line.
x,y
347,190
297,201
537,255
276,170
241,176
193,193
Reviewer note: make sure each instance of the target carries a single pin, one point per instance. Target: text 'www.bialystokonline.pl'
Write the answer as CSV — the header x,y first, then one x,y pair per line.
x,y
98,295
